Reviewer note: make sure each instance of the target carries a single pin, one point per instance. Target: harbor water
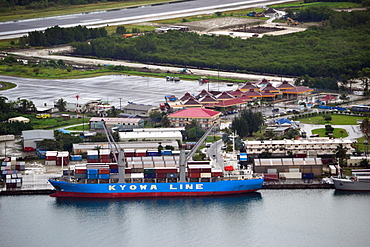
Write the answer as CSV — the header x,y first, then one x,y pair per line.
x,y
266,218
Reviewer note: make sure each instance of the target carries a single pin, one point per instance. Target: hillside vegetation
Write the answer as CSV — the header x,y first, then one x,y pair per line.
x,y
338,45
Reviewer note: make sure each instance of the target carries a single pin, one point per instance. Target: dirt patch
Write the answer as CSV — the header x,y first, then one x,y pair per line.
x,y
220,23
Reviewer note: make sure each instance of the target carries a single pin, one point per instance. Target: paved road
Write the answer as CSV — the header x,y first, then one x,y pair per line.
x,y
18,28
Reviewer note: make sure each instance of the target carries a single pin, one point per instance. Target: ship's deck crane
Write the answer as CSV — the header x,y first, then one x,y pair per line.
x,y
185,158
118,154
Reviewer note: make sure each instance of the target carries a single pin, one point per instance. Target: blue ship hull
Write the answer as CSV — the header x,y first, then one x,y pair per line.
x,y
132,190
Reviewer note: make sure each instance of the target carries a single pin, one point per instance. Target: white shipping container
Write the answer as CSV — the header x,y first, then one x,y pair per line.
x,y
50,162
272,171
206,175
290,175
137,175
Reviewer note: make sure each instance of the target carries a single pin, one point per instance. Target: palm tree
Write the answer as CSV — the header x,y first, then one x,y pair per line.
x,y
61,104
341,154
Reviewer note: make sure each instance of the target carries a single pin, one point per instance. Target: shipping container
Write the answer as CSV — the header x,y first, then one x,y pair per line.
x,y
81,175
161,175
166,170
140,152
152,152
50,162
76,157
172,175
149,175
92,171
308,176
290,175
166,152
149,170
103,176
92,176
270,176
113,170
205,175
194,174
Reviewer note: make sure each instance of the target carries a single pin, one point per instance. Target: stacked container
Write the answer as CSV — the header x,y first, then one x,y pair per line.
x,y
152,152
80,171
51,158
104,155
92,156
11,173
62,159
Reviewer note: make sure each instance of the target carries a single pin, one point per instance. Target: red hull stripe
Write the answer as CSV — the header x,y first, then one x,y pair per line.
x,y
152,194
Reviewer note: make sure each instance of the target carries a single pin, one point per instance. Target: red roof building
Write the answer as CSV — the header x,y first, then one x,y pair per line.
x,y
236,93
224,96
192,103
285,86
245,98
186,96
208,99
293,93
270,89
248,87
204,117
253,94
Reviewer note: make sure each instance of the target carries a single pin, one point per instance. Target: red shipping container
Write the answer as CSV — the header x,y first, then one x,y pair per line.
x,y
217,174
205,169
105,160
92,161
194,175
194,170
80,171
161,175
140,154
167,170
104,171
113,166
127,170
271,176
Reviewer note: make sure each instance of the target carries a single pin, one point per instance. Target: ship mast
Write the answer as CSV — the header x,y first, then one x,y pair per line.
x,y
118,154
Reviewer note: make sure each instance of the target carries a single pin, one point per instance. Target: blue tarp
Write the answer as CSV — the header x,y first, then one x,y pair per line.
x,y
332,107
283,121
64,131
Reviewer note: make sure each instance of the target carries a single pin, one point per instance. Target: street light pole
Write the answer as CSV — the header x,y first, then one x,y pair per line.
x,y
218,76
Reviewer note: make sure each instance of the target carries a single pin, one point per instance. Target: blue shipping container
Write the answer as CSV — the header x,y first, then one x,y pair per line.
x,y
103,176
92,171
152,153
307,175
113,170
76,157
92,176
149,175
166,152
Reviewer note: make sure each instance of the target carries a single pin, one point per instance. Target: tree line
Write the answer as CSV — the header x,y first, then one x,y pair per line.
x,y
331,49
57,35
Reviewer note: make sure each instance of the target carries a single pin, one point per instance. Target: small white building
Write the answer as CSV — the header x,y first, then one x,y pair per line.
x,y
152,134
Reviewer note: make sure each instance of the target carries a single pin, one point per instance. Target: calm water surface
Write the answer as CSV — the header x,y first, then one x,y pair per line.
x,y
267,218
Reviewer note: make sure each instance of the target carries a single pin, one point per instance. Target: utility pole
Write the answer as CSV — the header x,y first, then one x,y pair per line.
x,y
120,103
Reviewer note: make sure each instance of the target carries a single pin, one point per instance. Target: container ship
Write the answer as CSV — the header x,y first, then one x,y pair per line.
x,y
168,177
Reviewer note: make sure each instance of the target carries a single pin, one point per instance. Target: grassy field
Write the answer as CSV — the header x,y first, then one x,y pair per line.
x,y
337,119
301,4
53,123
337,133
6,85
